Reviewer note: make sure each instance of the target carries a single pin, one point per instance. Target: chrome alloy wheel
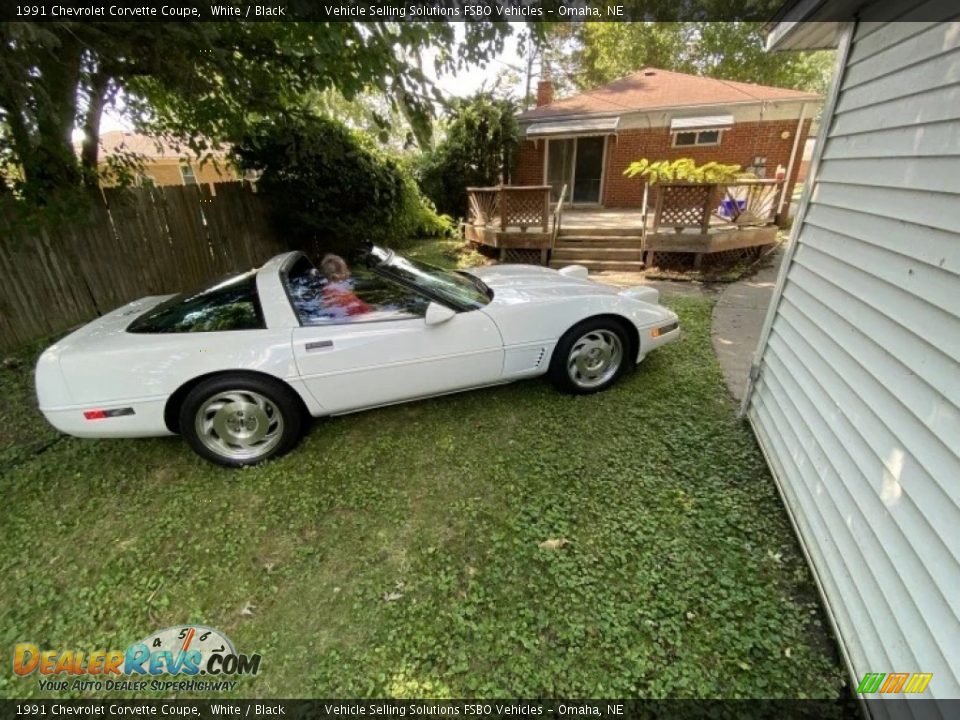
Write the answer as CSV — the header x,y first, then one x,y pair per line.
x,y
239,424
595,358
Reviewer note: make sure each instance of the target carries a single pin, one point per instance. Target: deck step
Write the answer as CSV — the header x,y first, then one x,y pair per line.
x,y
587,241
629,231
596,253
601,265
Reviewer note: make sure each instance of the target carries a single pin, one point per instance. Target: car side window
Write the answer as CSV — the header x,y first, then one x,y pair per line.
x,y
362,296
228,304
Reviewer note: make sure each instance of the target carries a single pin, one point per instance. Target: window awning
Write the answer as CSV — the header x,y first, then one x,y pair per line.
x,y
705,122
590,126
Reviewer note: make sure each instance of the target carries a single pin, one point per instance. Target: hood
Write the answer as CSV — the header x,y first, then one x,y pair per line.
x,y
526,283
516,283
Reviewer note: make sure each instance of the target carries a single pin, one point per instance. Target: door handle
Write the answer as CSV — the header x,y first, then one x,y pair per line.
x,y
319,345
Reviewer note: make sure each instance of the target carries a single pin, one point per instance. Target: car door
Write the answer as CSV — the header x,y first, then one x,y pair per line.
x,y
374,346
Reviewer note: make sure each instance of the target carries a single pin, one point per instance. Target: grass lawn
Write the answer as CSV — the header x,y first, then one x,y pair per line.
x,y
397,552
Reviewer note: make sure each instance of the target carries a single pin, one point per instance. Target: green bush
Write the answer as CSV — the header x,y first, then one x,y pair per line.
x,y
331,187
480,149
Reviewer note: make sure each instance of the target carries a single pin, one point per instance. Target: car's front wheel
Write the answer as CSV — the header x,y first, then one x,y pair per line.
x,y
590,357
237,420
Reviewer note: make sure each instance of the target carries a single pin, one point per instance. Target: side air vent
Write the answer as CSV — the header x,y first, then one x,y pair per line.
x,y
526,360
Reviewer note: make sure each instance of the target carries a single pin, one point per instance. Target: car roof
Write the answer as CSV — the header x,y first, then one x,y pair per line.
x,y
274,302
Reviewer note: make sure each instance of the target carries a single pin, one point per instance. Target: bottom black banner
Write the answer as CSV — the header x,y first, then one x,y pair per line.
x,y
552,708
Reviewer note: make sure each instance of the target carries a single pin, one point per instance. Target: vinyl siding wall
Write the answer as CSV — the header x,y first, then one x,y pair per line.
x,y
857,400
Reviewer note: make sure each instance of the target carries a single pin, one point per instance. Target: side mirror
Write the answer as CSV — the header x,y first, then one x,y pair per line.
x,y
437,314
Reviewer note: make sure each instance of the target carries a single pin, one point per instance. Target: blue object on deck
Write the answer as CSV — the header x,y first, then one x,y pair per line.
x,y
729,210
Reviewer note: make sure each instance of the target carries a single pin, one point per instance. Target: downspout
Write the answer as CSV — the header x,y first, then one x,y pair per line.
x,y
843,51
793,157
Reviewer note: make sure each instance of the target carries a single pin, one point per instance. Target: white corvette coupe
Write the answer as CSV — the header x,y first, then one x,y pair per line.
x,y
238,366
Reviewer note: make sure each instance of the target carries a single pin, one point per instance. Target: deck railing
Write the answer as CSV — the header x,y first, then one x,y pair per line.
x,y
558,216
744,203
510,206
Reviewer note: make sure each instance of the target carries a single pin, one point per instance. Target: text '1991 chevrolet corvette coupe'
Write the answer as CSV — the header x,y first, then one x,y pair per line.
x,y
238,366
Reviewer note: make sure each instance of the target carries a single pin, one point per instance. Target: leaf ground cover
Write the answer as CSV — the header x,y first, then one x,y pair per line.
x,y
504,542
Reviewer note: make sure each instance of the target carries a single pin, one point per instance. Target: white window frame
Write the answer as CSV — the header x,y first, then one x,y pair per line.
x,y
696,132
193,174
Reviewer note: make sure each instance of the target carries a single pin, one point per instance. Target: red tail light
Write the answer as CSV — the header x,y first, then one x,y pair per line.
x,y
103,414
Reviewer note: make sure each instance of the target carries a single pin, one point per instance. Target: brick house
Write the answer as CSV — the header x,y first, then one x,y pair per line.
x,y
164,163
587,141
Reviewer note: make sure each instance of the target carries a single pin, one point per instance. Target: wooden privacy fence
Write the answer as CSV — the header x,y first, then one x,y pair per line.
x,y
135,242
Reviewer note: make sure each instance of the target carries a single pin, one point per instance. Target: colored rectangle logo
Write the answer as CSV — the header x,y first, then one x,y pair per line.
x,y
894,683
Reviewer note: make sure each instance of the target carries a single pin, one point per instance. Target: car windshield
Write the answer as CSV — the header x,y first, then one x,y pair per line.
x,y
460,289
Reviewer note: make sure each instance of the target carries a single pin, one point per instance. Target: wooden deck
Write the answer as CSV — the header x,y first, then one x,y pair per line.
x,y
685,218
516,220
513,244
604,238
588,219
510,237
717,239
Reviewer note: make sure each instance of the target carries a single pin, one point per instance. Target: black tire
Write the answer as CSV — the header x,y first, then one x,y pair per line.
x,y
237,420
570,371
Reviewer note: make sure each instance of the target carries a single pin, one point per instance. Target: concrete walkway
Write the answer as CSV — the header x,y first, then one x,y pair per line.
x,y
737,320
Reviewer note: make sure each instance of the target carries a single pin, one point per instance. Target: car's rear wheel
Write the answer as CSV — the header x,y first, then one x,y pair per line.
x,y
590,357
236,420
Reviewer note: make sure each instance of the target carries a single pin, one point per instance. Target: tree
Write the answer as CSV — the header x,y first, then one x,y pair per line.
x,y
331,187
369,112
612,50
726,50
203,82
479,148
737,51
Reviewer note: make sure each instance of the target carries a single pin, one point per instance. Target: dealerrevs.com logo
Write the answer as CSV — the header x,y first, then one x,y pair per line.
x,y
183,652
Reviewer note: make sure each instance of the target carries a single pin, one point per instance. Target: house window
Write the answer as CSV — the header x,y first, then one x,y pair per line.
x,y
186,173
696,137
759,166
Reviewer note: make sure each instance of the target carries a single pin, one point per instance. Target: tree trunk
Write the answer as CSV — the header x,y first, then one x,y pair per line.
x,y
90,149
50,164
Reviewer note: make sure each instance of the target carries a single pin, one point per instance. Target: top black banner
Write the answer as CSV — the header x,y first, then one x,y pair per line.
x,y
428,10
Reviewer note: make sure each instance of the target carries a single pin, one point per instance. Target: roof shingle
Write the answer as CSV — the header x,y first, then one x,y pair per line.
x,y
652,88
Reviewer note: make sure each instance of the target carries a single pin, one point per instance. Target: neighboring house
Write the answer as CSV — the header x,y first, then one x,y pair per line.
x,y
165,163
855,390
588,140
